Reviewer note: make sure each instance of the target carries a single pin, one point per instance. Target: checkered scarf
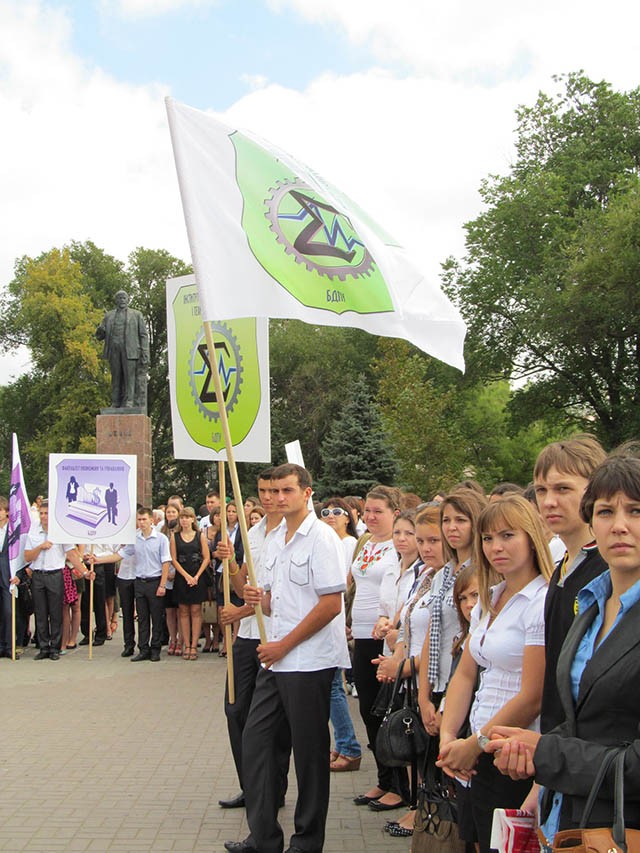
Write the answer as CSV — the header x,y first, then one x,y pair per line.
x,y
448,580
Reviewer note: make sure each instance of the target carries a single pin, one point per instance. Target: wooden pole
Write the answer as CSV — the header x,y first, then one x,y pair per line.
x,y
228,631
13,626
233,471
91,609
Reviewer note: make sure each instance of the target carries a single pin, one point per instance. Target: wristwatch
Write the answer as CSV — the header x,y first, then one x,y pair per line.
x,y
483,740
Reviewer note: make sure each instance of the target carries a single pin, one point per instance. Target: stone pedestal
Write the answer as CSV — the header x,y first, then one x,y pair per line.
x,y
128,434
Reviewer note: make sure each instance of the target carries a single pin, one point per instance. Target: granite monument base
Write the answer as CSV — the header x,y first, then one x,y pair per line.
x,y
128,434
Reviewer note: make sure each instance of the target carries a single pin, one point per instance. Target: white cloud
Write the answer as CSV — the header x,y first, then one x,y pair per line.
x,y
135,9
254,81
491,41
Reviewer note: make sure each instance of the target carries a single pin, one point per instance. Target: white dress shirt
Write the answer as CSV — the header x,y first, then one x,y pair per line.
x,y
51,559
499,648
298,572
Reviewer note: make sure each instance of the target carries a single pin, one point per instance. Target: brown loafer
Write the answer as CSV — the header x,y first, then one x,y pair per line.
x,y
343,763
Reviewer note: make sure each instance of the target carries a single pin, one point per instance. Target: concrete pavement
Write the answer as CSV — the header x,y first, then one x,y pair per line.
x,y
108,755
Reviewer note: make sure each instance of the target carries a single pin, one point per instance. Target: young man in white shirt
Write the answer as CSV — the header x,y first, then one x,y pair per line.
x,y
47,584
245,657
303,593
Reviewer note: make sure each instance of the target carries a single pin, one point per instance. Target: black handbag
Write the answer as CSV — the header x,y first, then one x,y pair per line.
x,y
435,825
402,738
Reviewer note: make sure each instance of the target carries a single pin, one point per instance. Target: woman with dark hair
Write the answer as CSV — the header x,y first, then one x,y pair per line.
x,y
171,524
376,557
598,673
347,754
507,643
337,514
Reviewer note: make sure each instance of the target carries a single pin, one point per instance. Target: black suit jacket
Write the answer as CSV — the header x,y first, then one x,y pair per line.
x,y
606,714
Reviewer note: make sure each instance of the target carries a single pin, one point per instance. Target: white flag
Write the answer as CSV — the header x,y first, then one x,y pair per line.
x,y
270,238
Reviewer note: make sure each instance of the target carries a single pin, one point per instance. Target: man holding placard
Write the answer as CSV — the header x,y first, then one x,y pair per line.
x,y
47,562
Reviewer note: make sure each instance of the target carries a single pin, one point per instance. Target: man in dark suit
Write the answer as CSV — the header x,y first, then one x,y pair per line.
x,y
111,499
126,347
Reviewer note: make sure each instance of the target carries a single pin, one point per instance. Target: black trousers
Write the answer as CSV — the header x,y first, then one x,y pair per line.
x,y
5,611
150,609
98,606
301,701
491,790
368,686
127,593
48,595
245,669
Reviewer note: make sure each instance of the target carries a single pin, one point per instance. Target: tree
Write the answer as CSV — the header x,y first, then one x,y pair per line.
x,y
549,286
356,453
313,372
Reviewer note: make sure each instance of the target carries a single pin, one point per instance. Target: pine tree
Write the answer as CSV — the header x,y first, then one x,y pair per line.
x,y
356,453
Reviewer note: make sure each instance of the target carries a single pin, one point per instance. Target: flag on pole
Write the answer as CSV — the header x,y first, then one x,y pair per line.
x,y
270,238
19,515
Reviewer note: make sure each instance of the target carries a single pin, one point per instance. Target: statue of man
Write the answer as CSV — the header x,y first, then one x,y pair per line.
x,y
126,347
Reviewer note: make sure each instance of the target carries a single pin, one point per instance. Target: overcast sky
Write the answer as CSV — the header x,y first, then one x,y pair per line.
x,y
405,105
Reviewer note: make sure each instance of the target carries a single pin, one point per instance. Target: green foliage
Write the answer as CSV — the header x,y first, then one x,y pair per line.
x,y
356,453
549,287
313,371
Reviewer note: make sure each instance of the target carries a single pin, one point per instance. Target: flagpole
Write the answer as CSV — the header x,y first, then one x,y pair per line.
x,y
228,632
233,471
13,627
91,607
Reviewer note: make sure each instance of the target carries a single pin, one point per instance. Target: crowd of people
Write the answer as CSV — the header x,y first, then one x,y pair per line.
x,y
517,610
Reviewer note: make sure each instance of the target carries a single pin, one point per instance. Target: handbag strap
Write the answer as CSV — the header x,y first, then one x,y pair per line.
x,y
396,688
618,830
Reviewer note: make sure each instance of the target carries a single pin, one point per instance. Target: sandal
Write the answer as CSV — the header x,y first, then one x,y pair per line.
x,y
343,763
172,649
114,625
194,653
333,755
186,653
178,650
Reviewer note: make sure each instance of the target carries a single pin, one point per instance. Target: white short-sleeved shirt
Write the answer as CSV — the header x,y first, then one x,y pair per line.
x,y
127,570
298,572
51,559
348,547
257,538
499,648
373,562
394,589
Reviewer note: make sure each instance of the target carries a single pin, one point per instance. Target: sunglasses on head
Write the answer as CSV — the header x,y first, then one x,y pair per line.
x,y
325,513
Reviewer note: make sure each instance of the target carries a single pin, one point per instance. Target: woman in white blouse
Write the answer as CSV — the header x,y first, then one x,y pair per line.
x,y
376,557
507,642
459,515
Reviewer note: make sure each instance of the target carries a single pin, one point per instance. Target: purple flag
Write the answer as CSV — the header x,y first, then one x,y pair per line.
x,y
19,515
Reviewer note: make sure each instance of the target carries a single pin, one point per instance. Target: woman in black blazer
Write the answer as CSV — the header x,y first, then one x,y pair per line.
x,y
598,672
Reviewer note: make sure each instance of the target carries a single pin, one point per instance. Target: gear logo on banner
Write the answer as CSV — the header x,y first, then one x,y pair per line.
x,y
303,239
236,359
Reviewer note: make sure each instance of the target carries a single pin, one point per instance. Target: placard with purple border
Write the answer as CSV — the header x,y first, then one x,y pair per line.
x,y
92,498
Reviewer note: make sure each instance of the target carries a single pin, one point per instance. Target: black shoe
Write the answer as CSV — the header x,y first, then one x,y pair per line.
x,y
42,654
126,653
54,656
84,641
140,656
99,641
154,656
240,846
236,802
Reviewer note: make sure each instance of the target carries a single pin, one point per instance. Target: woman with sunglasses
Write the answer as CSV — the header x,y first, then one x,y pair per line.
x,y
335,513
347,754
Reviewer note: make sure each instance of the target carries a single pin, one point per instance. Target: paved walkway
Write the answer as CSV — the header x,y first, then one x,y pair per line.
x,y
107,755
